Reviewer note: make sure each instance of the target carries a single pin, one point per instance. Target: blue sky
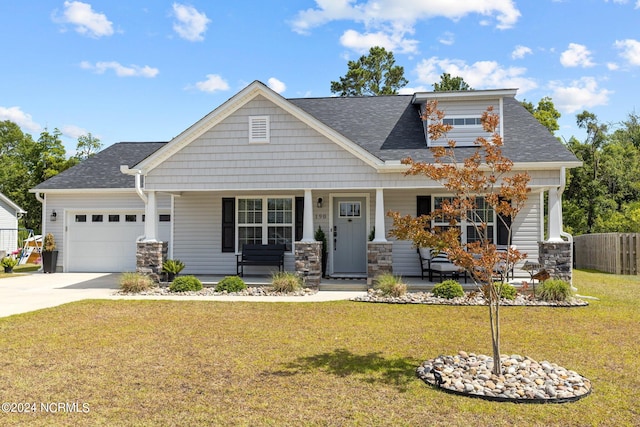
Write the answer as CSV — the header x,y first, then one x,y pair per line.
x,y
145,70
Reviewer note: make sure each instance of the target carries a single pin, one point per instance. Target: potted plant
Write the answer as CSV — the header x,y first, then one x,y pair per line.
x,y
172,267
321,237
49,254
8,263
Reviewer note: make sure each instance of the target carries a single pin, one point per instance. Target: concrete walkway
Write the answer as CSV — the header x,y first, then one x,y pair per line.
x,y
34,291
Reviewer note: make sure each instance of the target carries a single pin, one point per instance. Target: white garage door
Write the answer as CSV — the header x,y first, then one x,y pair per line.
x,y
106,242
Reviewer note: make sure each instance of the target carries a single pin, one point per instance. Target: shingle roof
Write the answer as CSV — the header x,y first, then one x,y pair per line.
x,y
103,169
388,127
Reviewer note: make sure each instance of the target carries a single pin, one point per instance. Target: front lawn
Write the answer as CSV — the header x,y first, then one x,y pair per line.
x,y
337,363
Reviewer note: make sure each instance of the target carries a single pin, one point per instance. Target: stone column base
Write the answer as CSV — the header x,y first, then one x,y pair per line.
x,y
308,261
149,258
379,260
555,257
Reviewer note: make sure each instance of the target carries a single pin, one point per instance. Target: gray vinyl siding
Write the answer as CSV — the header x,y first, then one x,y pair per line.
x,y
463,135
297,156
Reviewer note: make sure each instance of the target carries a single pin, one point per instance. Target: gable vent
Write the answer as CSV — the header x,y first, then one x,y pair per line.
x,y
259,129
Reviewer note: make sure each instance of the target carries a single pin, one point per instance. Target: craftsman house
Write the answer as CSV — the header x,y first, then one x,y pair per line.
x,y
264,169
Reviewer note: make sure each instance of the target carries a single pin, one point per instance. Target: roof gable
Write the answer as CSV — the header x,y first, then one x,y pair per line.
x,y
7,201
236,102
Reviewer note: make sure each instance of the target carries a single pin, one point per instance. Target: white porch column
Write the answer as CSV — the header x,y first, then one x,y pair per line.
x,y
380,234
307,224
151,218
555,216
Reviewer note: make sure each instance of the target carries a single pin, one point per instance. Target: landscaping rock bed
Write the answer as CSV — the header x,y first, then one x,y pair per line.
x,y
210,291
470,298
523,379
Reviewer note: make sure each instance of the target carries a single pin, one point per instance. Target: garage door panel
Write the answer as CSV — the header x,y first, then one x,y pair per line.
x,y
106,246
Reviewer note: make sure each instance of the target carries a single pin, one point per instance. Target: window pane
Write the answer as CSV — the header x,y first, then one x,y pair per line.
x,y
96,218
130,218
114,218
249,235
81,218
279,235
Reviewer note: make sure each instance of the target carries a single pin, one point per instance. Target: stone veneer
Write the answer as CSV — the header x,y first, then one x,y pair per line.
x,y
379,259
149,258
555,257
308,259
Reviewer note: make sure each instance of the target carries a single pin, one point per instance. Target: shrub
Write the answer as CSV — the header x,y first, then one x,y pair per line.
x,y
185,284
136,282
172,266
231,284
9,262
555,290
448,289
392,285
285,281
507,290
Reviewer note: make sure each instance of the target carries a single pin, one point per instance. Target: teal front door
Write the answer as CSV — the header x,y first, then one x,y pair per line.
x,y
349,236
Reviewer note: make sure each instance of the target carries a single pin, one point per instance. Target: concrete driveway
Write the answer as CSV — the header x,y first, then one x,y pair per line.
x,y
34,291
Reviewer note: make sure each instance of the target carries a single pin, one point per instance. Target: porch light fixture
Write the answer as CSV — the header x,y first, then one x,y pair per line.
x,y
319,203
54,215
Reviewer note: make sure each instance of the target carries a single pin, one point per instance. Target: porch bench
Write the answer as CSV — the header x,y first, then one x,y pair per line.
x,y
256,254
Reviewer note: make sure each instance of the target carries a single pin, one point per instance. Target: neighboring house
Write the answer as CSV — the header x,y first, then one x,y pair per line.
x,y
262,168
9,214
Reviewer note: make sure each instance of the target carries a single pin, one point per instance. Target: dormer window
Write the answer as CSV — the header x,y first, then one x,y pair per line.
x,y
259,129
463,121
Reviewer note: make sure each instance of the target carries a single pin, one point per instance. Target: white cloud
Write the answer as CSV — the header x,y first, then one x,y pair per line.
x,y
191,24
387,22
86,21
630,50
448,38
403,12
612,66
520,51
19,117
276,85
576,55
580,94
121,70
361,43
73,131
479,75
213,83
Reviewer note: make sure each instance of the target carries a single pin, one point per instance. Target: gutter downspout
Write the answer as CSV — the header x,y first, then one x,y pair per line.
x,y
569,237
138,186
42,200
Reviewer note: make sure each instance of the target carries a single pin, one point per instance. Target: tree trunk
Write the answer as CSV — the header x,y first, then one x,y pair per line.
x,y
494,319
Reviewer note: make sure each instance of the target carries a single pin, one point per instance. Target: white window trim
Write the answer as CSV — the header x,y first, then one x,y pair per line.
x,y
265,216
259,129
463,223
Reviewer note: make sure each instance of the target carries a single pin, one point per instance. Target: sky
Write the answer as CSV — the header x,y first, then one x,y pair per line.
x,y
145,70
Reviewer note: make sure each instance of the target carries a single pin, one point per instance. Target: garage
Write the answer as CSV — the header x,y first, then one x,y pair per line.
x,y
106,241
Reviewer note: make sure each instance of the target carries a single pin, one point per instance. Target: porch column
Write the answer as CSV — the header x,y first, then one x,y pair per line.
x,y
380,234
151,218
307,223
555,216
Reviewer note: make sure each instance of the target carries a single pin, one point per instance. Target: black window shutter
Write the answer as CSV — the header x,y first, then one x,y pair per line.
x,y
423,205
504,223
299,218
228,224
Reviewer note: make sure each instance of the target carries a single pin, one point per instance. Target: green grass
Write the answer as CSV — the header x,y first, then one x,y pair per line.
x,y
336,363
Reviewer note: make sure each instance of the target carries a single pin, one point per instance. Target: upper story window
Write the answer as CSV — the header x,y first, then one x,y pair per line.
x,y
259,129
462,121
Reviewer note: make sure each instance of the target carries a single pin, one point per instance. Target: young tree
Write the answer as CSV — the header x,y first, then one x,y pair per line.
x,y
480,183
373,74
450,83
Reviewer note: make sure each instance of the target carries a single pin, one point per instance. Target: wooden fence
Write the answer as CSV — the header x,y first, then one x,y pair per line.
x,y
617,253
